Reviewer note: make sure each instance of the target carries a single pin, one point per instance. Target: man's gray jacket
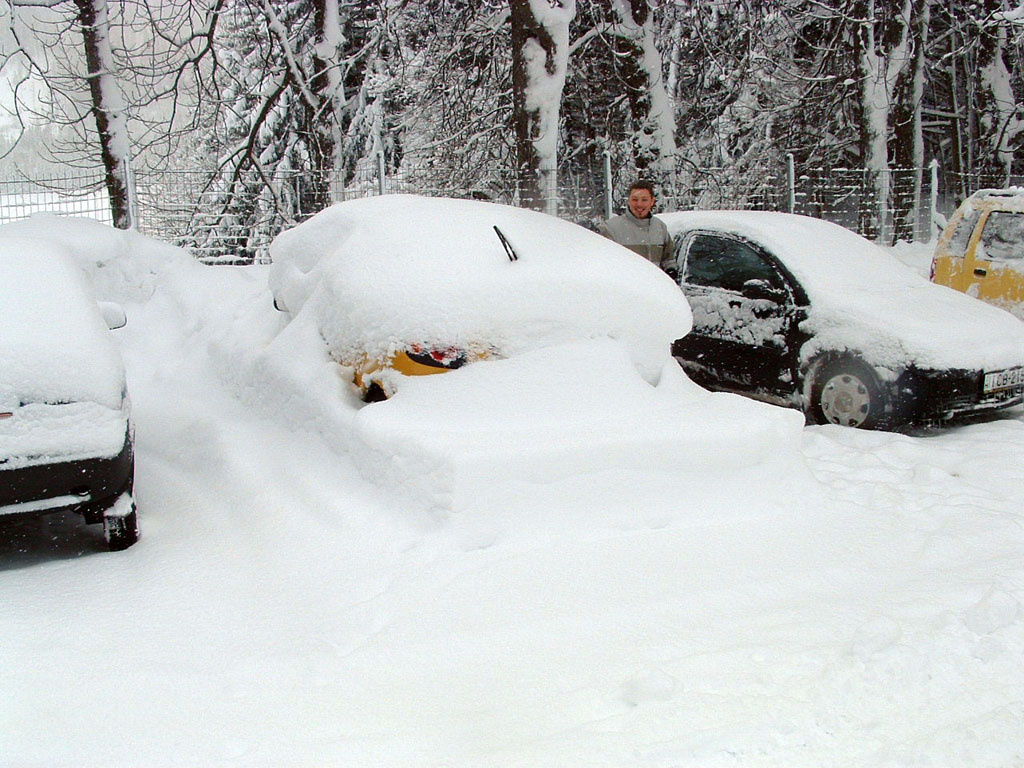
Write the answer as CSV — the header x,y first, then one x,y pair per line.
x,y
648,237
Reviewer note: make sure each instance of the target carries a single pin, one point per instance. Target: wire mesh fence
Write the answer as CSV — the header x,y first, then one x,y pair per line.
x,y
72,194
898,208
235,219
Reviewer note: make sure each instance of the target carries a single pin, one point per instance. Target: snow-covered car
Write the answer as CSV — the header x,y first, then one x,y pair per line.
x,y
981,251
804,313
65,429
402,285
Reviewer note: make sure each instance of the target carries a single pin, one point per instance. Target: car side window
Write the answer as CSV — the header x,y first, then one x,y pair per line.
x,y
961,237
1003,237
724,262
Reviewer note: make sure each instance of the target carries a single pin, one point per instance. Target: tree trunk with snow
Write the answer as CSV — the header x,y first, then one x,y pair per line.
x,y
108,106
540,53
881,42
650,106
326,84
907,143
999,122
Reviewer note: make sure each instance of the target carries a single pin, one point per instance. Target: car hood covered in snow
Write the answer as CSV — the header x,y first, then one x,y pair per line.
x,y
54,345
382,273
863,299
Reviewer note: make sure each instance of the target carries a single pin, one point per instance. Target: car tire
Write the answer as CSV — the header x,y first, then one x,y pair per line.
x,y
121,531
846,392
375,394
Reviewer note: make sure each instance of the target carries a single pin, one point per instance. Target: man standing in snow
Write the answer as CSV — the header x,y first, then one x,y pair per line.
x,y
639,231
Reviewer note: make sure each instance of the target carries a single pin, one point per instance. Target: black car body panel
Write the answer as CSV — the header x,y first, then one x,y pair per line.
x,y
749,336
87,486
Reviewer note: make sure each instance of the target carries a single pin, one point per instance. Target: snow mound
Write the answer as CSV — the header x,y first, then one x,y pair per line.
x,y
571,411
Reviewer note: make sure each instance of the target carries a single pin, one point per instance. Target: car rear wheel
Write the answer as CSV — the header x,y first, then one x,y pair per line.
x,y
375,394
846,393
120,530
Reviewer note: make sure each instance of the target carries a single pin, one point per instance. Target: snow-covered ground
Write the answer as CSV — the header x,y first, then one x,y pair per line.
x,y
318,584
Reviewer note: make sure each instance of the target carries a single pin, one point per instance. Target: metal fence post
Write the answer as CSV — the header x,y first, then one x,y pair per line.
x,y
933,201
133,199
337,186
791,182
380,172
607,184
884,205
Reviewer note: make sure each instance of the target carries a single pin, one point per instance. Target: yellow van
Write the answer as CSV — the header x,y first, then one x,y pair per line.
x,y
981,251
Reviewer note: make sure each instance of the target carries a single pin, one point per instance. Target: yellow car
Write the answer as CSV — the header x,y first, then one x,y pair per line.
x,y
400,286
981,251
375,384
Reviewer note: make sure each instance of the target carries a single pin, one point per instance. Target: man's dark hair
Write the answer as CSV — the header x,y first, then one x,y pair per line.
x,y
641,184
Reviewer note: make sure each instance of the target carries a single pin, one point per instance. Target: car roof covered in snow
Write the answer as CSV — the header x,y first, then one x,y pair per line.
x,y
863,299
54,345
384,272
1006,199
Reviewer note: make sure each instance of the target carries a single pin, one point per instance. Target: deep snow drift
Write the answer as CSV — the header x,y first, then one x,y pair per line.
x,y
320,583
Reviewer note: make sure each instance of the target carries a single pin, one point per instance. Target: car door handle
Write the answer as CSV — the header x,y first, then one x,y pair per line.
x,y
980,272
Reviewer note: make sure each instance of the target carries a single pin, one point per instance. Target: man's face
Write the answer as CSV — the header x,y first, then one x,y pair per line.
x,y
640,203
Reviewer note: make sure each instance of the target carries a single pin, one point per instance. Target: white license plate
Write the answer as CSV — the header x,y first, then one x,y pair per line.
x,y
1011,377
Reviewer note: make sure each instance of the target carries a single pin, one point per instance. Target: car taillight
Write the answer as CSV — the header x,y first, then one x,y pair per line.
x,y
438,357
931,271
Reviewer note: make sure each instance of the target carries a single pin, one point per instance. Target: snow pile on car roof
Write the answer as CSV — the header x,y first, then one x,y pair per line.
x,y
865,300
121,264
386,272
54,344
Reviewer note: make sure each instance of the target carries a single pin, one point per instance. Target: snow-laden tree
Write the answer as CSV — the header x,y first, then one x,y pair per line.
x,y
837,84
540,55
975,84
67,81
119,77
632,33
456,115
883,46
285,105
616,100
741,75
485,80
299,105
906,143
109,109
999,114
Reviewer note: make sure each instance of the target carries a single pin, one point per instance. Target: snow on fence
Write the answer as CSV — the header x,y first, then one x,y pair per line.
x,y
189,208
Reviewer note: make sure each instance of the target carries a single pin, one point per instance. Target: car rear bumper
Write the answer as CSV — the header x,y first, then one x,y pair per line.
x,y
86,485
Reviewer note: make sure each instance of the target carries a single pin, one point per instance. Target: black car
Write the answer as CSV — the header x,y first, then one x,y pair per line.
x,y
66,440
801,312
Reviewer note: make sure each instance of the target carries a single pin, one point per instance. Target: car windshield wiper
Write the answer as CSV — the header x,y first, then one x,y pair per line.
x,y
512,255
